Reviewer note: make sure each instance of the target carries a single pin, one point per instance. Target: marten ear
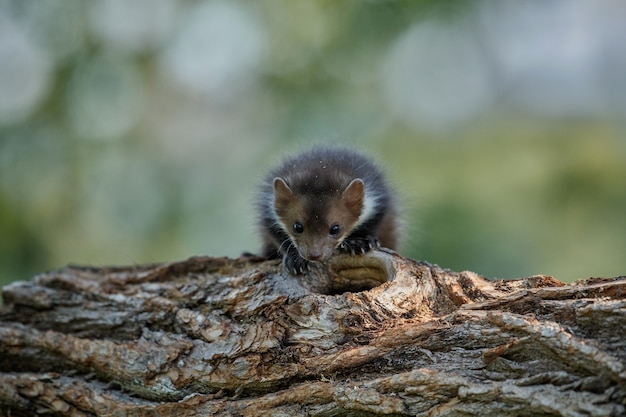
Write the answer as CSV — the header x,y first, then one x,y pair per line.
x,y
282,192
353,196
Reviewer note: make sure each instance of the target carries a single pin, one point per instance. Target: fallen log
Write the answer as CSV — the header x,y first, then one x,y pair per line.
x,y
368,335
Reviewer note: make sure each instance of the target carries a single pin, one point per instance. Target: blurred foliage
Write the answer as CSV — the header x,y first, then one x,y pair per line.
x,y
523,202
138,131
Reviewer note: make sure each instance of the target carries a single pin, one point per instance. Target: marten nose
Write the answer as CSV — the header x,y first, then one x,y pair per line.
x,y
315,255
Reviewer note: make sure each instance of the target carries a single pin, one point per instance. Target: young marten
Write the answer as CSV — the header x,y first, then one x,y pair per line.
x,y
321,200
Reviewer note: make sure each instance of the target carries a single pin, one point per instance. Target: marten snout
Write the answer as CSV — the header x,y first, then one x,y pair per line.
x,y
314,256
316,252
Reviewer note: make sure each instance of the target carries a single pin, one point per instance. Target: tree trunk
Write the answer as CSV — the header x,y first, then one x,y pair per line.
x,y
365,335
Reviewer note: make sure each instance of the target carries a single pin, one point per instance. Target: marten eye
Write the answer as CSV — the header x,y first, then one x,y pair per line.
x,y
298,228
334,229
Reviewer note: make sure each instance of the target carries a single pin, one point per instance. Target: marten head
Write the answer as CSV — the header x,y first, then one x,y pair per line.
x,y
317,217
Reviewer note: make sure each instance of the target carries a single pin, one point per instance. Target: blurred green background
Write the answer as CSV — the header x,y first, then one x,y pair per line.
x,y
136,131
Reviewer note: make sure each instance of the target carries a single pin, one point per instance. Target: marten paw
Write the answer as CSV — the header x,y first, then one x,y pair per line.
x,y
296,265
359,245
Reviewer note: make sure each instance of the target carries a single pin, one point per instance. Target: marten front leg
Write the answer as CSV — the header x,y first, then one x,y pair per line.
x,y
279,245
358,244
295,264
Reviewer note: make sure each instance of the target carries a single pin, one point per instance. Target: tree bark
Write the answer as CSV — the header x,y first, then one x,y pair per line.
x,y
368,335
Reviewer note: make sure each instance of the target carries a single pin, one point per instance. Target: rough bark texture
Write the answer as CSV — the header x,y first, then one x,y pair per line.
x,y
222,337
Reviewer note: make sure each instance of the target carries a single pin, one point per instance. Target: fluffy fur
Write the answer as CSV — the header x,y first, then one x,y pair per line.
x,y
324,200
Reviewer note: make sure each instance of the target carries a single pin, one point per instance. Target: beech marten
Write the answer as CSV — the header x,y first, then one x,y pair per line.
x,y
322,200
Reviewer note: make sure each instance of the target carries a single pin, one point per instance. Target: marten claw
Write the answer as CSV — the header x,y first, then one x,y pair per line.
x,y
359,245
296,266
373,243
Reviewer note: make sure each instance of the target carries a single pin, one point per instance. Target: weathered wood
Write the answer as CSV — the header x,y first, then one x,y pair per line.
x,y
216,336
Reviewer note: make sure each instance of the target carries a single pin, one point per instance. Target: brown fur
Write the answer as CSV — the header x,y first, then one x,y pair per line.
x,y
388,230
322,201
315,242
